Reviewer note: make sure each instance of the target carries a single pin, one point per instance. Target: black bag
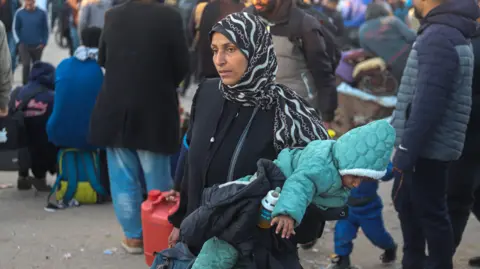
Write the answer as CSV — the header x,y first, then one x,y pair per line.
x,y
13,134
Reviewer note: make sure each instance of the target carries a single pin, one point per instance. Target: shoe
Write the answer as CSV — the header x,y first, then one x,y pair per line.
x,y
389,256
40,185
339,262
474,262
24,183
133,246
308,245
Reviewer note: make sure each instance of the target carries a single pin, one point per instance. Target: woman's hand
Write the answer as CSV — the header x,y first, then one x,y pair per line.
x,y
172,195
173,238
285,223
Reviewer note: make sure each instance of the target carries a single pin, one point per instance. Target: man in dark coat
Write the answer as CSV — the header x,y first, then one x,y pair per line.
x,y
145,55
431,117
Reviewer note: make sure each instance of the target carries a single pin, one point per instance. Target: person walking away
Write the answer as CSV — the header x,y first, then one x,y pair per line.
x,y
464,174
306,61
30,26
92,14
73,21
136,116
431,117
385,36
5,72
40,156
7,13
213,12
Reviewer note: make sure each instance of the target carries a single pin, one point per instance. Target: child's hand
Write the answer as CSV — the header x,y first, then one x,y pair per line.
x,y
286,224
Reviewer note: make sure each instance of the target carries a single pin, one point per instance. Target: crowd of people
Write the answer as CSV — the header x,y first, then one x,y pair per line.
x,y
267,73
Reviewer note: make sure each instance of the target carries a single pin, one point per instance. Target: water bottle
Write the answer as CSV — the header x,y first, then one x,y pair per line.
x,y
268,204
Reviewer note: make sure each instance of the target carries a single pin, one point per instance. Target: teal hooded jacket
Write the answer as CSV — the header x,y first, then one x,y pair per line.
x,y
314,175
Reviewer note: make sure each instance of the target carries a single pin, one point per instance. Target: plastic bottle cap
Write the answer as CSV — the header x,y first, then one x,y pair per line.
x,y
153,195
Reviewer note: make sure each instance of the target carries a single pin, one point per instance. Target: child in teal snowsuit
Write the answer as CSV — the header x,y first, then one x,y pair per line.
x,y
322,173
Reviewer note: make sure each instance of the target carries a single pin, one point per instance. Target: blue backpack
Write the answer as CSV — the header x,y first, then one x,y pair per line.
x,y
78,179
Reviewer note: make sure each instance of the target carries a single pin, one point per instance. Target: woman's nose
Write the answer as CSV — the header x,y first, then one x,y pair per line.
x,y
219,59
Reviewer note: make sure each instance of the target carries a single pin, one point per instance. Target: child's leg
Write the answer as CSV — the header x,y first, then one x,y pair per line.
x,y
375,231
345,232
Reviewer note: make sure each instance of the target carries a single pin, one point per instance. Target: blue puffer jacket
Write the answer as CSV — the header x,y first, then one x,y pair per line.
x,y
435,95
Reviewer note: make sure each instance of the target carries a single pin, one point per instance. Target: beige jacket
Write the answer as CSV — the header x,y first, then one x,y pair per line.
x,y
5,69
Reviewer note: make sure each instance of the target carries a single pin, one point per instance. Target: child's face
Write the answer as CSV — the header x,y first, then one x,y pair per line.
x,y
351,182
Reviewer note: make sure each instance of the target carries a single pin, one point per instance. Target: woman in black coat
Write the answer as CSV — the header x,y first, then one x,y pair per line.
x,y
136,117
242,117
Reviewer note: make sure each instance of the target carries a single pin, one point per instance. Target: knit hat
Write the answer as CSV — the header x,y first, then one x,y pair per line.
x,y
365,151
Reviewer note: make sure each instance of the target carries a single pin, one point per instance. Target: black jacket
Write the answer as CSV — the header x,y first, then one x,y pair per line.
x,y
231,211
472,141
320,58
144,51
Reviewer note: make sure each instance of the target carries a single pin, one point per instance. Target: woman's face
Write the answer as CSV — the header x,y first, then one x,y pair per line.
x,y
229,61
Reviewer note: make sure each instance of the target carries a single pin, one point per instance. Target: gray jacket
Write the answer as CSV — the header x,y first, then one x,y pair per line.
x,y
5,69
435,96
93,14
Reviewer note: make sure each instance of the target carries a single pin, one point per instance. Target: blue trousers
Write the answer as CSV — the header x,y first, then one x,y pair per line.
x,y
12,47
75,35
132,173
373,228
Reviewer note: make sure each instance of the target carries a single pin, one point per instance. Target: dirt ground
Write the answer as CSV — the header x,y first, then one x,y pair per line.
x,y
88,237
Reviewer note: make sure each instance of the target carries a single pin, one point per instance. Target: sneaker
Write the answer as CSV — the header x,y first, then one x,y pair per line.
x,y
133,246
339,262
389,256
474,262
308,245
40,185
24,183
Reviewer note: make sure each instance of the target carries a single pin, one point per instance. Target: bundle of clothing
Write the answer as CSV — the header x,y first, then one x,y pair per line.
x,y
225,226
366,90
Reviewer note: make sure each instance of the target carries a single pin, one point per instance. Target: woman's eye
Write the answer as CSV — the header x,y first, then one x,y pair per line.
x,y
231,50
214,51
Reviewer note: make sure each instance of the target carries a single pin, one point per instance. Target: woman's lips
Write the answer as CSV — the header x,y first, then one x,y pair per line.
x,y
225,73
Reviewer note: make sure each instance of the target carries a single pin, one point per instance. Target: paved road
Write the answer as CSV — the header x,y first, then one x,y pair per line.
x,y
31,238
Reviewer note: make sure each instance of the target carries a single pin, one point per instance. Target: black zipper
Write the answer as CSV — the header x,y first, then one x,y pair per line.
x,y
239,146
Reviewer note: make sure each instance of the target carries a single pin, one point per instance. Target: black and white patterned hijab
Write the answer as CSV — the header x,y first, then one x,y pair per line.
x,y
296,123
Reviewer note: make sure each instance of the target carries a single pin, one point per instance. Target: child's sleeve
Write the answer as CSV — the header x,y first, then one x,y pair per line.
x,y
297,193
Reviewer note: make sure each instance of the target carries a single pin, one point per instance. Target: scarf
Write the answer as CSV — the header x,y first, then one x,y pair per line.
x,y
295,123
84,53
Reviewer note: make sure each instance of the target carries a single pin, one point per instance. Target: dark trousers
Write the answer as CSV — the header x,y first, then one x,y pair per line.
x,y
39,161
463,193
420,200
29,55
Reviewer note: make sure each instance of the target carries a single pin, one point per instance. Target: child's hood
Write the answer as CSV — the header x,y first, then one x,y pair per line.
x,y
365,151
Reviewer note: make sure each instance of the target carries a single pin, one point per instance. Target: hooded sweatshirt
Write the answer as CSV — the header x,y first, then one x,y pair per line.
x,y
434,98
38,109
77,84
92,14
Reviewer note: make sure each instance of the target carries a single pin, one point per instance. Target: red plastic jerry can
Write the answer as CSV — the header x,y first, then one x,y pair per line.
x,y
156,228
